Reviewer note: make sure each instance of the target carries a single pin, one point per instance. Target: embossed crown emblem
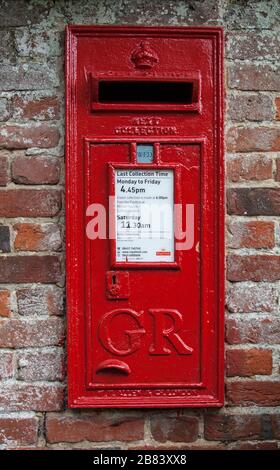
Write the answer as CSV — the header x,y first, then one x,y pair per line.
x,y
144,57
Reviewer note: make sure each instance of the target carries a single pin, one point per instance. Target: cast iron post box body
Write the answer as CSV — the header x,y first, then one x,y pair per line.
x,y
144,121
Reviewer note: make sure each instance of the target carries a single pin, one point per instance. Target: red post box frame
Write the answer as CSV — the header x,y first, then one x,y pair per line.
x,y
79,269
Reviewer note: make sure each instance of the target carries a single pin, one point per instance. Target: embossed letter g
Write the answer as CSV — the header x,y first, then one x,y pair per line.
x,y
133,337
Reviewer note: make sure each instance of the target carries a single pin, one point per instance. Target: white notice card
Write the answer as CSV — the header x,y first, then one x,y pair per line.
x,y
144,215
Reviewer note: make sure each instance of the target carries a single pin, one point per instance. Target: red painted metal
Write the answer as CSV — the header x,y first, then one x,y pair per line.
x,y
145,335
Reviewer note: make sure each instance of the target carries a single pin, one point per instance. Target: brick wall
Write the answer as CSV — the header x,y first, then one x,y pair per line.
x,y
33,409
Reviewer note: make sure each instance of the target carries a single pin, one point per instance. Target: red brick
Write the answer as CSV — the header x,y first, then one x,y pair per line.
x,y
199,445
43,300
37,237
16,333
30,76
6,366
253,268
17,269
7,44
275,426
4,175
253,45
252,77
253,201
4,239
248,362
251,15
42,108
17,136
175,429
254,392
254,446
252,298
30,203
18,430
232,427
5,307
251,107
39,43
16,13
94,427
277,105
253,139
41,365
253,331
250,234
38,397
277,176
244,168
36,170
4,107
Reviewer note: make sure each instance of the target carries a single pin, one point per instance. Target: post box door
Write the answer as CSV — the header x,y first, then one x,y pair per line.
x,y
145,316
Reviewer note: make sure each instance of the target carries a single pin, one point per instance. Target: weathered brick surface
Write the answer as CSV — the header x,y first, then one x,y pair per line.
x,y
253,201
251,234
4,175
251,107
254,77
247,362
7,49
93,427
179,429
257,268
254,392
32,365
254,446
19,333
27,77
253,331
232,427
253,139
18,431
47,300
37,237
249,168
22,396
277,105
4,109
251,15
7,361
252,297
39,107
30,202
4,239
21,269
17,13
5,305
39,42
39,170
277,175
42,364
22,137
253,45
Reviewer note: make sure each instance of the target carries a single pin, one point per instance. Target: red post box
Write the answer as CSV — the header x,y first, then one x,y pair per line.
x,y
144,208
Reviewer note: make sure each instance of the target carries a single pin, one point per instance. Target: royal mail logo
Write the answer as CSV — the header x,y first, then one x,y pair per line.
x,y
163,252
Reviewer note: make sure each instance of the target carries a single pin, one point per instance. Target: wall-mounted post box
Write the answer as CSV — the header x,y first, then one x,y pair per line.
x,y
144,216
